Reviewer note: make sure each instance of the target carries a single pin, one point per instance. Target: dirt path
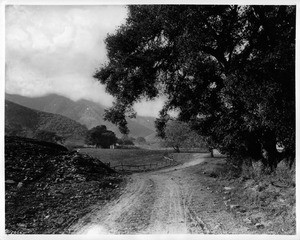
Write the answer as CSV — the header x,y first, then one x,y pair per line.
x,y
168,201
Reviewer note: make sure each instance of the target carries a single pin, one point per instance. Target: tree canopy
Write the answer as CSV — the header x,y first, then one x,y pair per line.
x,y
180,135
101,137
126,140
228,70
141,140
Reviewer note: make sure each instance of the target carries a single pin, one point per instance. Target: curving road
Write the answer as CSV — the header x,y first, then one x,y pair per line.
x,y
168,201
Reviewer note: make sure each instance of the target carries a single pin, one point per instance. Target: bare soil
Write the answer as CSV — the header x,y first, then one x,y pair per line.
x,y
177,200
47,188
51,190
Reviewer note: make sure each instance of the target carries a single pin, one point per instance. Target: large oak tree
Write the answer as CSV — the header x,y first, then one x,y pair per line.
x,y
228,70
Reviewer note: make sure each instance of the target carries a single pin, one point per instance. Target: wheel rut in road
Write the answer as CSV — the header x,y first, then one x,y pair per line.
x,y
158,202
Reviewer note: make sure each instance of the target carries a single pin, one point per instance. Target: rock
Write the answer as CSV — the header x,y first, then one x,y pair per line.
x,y
208,188
218,226
242,210
60,220
213,175
259,225
256,217
247,220
9,181
249,183
20,184
21,225
228,188
234,206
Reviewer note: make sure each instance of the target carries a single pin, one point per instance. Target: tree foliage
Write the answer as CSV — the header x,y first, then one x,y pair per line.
x,y
228,70
101,137
126,140
141,140
179,134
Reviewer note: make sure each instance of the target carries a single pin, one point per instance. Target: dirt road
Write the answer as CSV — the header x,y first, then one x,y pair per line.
x,y
168,201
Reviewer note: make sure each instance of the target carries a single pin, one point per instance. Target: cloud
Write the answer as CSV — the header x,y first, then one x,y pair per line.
x,y
149,108
56,49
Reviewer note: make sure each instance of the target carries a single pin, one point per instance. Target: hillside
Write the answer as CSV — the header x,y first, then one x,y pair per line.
x,y
83,111
48,188
23,121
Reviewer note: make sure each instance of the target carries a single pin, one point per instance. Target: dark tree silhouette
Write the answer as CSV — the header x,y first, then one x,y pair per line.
x,y
227,69
101,137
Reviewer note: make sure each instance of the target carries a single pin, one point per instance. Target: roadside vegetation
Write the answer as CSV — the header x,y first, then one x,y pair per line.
x,y
265,202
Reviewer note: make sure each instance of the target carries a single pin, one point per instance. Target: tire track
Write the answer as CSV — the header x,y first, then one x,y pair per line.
x,y
152,203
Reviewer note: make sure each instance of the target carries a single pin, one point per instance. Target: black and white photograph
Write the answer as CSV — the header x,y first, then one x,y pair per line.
x,y
149,120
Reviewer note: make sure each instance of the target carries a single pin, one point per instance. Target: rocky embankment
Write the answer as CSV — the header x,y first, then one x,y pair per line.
x,y
48,188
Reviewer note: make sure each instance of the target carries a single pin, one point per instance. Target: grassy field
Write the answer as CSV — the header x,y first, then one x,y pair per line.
x,y
126,156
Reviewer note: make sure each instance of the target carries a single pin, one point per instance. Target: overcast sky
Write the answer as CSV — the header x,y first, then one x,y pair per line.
x,y
56,49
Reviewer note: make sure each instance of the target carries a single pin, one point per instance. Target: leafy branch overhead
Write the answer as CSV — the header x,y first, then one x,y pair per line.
x,y
228,70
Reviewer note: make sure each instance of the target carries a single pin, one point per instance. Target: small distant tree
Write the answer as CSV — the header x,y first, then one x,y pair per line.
x,y
140,140
101,137
176,135
126,140
48,136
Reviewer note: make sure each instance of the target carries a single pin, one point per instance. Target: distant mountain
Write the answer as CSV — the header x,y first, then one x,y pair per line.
x,y
83,111
23,121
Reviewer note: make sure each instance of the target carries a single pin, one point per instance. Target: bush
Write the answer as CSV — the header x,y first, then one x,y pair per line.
x,y
101,137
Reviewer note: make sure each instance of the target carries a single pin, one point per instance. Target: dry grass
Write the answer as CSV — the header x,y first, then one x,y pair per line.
x,y
126,156
268,198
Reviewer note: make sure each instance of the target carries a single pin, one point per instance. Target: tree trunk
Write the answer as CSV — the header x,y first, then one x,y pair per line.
x,y
176,148
269,151
211,150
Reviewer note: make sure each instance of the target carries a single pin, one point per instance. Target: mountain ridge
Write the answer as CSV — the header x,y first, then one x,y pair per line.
x,y
26,122
83,111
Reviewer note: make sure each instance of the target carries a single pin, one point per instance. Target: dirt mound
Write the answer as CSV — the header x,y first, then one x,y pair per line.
x,y
48,188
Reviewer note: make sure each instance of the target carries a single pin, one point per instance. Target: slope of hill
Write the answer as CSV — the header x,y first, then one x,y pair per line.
x,y
147,122
48,188
23,121
83,111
